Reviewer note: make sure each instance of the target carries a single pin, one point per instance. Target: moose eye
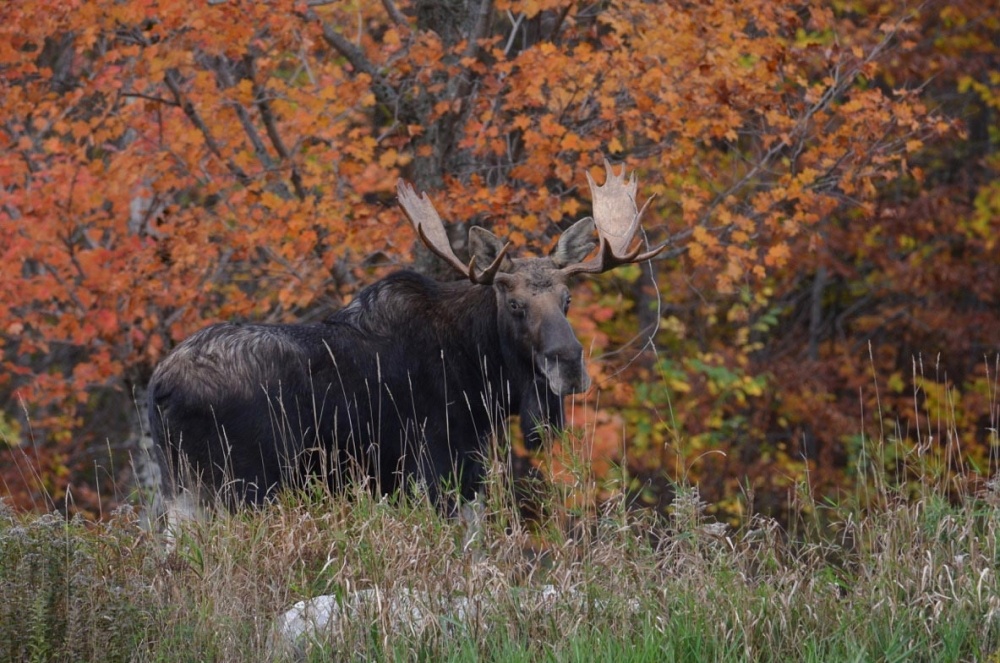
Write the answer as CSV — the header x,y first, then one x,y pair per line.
x,y
566,303
516,308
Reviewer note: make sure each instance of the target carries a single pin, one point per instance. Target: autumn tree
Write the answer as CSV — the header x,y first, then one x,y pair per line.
x,y
168,166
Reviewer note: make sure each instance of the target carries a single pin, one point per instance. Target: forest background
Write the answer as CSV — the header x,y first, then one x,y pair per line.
x,y
826,174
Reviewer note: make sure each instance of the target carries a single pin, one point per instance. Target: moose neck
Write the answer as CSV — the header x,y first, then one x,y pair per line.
x,y
458,318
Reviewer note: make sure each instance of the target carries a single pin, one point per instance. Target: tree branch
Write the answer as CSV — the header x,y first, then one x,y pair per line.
x,y
841,83
150,97
348,50
393,11
224,76
515,23
560,20
172,79
384,92
271,126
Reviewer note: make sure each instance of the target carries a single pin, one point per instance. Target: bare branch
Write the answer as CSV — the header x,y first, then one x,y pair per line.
x,y
348,50
393,11
148,97
560,20
515,25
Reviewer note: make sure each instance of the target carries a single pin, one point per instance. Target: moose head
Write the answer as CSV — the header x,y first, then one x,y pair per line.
x,y
532,296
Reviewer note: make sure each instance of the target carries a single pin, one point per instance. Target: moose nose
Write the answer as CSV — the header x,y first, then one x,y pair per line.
x,y
564,369
564,357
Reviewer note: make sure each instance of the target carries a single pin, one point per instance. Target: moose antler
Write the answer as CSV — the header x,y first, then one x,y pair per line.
x,y
420,210
617,219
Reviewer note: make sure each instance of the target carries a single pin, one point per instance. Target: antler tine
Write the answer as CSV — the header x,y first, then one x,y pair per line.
x,y
488,274
421,213
617,219
615,212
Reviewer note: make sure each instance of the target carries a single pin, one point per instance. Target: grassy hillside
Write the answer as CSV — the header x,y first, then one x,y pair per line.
x,y
912,579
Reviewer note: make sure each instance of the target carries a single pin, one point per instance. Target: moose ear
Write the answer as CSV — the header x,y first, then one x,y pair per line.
x,y
575,243
485,246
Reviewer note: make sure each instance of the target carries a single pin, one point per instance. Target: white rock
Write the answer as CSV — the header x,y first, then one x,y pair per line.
x,y
324,618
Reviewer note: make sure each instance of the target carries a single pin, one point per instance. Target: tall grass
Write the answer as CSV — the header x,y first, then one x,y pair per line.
x,y
914,580
896,576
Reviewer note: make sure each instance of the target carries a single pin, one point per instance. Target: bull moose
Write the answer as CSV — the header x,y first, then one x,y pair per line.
x,y
408,382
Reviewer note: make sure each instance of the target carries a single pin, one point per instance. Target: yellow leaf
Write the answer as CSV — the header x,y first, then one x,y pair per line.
x,y
703,237
244,91
696,252
571,141
388,158
777,255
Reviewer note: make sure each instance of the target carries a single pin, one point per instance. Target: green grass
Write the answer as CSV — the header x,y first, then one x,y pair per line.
x,y
914,579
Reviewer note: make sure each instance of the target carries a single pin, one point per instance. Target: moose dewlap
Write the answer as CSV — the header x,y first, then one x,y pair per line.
x,y
409,382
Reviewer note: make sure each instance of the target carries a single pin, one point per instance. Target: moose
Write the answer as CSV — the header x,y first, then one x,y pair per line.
x,y
408,382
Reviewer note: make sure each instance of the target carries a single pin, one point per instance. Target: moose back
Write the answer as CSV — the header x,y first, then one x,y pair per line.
x,y
409,382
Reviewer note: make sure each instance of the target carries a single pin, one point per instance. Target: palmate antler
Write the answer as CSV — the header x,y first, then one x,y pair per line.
x,y
420,210
617,219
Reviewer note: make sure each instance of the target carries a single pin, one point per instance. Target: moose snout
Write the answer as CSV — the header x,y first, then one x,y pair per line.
x,y
564,369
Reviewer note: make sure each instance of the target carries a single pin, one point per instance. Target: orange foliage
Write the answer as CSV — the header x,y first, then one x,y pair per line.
x,y
165,165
